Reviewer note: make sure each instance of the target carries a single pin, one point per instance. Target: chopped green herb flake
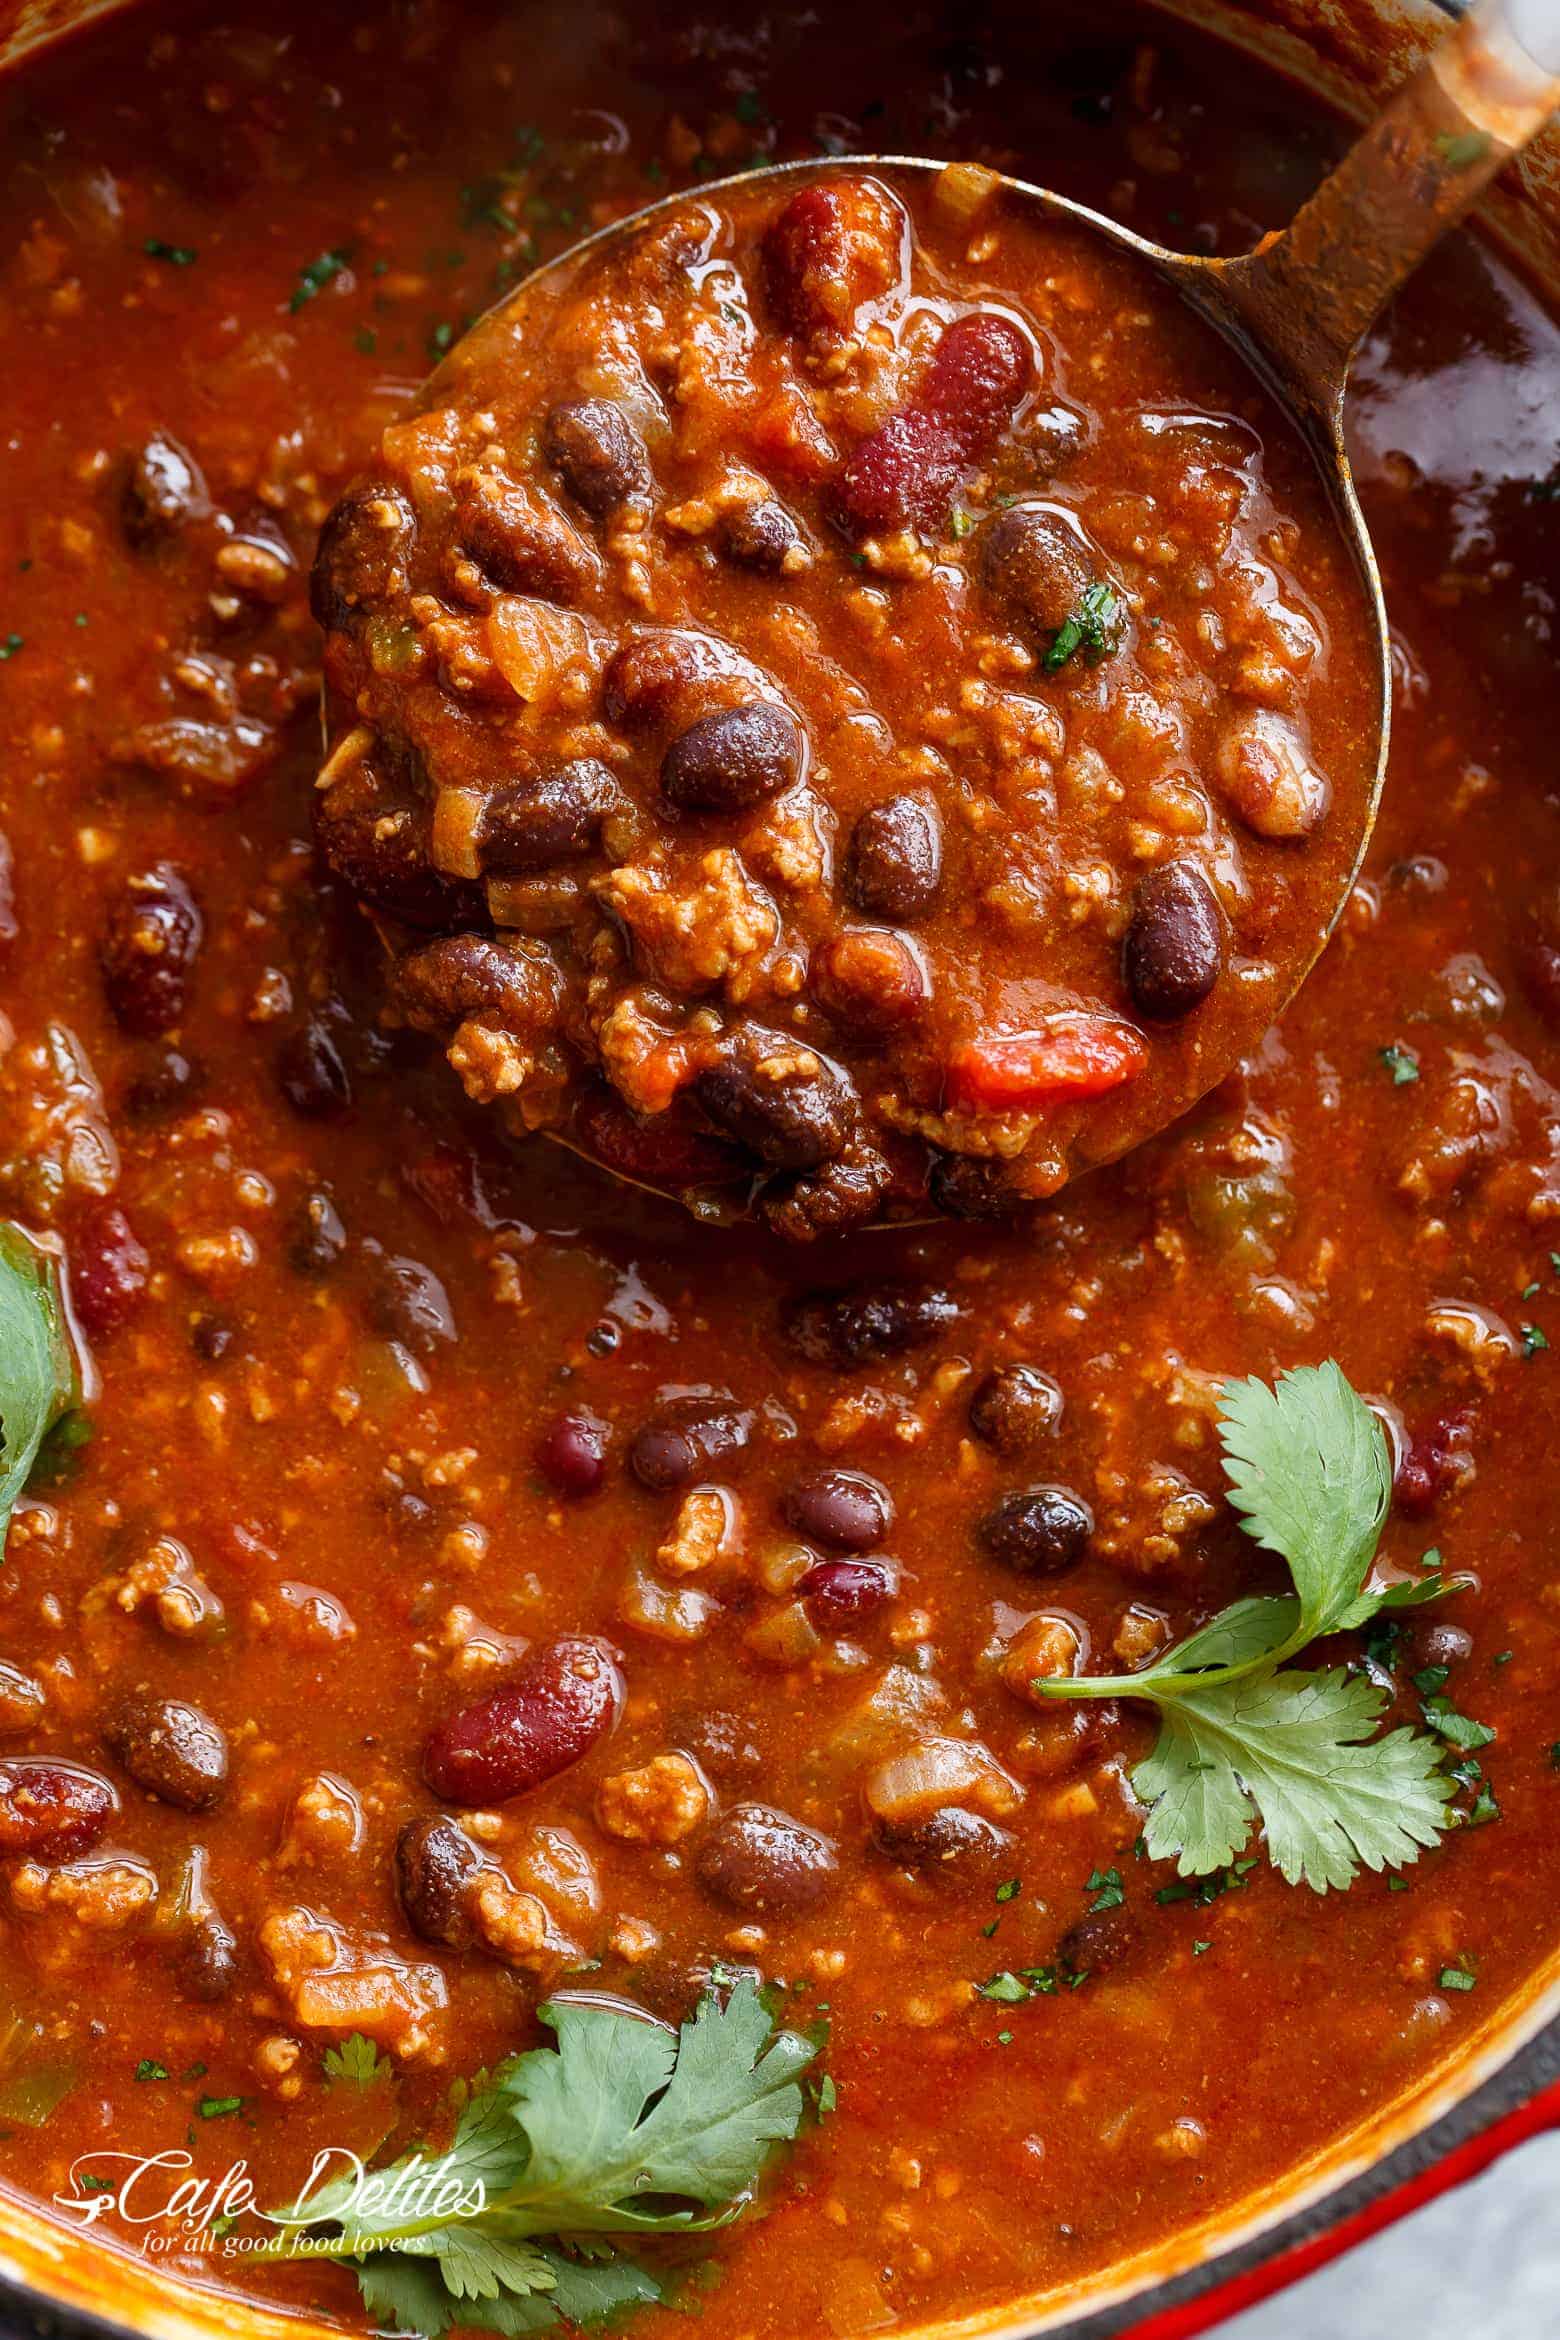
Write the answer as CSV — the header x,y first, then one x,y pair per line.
x,y
1461,149
1106,1886
356,2061
150,2069
1458,1730
1094,628
1401,1063
1009,1889
1456,1978
218,2108
1534,1338
173,255
314,276
10,644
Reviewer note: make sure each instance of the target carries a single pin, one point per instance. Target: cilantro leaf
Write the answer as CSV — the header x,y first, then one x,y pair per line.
x,y
37,1369
623,2128
356,2061
1241,1737
1298,1747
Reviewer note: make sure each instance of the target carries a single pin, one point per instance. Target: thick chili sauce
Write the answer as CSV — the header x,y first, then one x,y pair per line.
x,y
380,1402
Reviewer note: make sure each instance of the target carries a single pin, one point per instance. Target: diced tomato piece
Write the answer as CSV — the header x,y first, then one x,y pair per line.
x,y
1017,1072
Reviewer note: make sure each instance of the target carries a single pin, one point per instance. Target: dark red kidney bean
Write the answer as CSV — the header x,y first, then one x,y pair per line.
x,y
1540,964
311,1072
212,1337
688,1434
167,1083
572,1454
436,1866
761,1861
1434,1461
162,491
171,1749
952,1844
543,821
793,1122
1097,1943
318,1237
1014,1408
657,1152
1034,559
148,952
407,1303
981,370
597,453
206,1967
893,867
9,929
723,1744
843,1593
863,1323
109,1270
1040,1531
969,1186
902,475
845,1511
364,549
520,543
378,845
760,536
1172,954
563,1699
734,759
829,250
51,1811
644,681
868,980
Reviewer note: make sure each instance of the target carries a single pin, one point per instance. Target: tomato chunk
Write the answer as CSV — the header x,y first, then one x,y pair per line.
x,y
1015,1072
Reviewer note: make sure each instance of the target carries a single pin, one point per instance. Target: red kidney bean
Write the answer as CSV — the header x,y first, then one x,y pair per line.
x,y
688,1434
843,1510
171,1749
903,474
572,1454
436,1865
656,1151
148,952
409,1304
734,759
840,1593
563,1699
550,819
950,1845
982,367
109,1268
794,1122
1014,1408
868,980
1433,1462
828,251
759,537
894,864
51,1811
1037,560
1098,1942
161,492
597,453
364,547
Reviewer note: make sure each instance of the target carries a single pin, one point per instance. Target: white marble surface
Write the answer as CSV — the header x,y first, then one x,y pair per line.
x,y
1482,2263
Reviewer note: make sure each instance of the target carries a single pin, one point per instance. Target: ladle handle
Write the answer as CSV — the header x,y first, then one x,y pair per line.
x,y
1311,293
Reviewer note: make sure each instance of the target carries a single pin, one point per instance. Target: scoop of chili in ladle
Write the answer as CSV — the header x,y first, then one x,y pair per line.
x,y
846,698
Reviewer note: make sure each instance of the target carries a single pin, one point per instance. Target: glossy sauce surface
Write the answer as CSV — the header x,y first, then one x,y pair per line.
x,y
387,1413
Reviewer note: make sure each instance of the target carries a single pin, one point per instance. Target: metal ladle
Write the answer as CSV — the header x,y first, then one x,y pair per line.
x,y
1297,308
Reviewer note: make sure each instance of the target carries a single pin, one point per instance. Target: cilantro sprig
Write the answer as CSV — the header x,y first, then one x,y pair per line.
x,y
1242,1733
562,2159
37,1368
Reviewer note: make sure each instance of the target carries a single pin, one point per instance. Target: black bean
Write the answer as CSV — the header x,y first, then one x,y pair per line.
x,y
318,1237
546,820
759,536
845,1511
790,1106
408,1304
206,1968
734,759
364,549
762,1861
472,975
161,492
168,1083
212,1337
863,1323
597,453
688,1434
572,1454
1430,1641
378,845
1173,951
1040,1531
953,1843
436,1865
171,1749
1097,1942
839,1194
1014,1408
971,1187
521,543
1036,560
893,868
311,1073
148,952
